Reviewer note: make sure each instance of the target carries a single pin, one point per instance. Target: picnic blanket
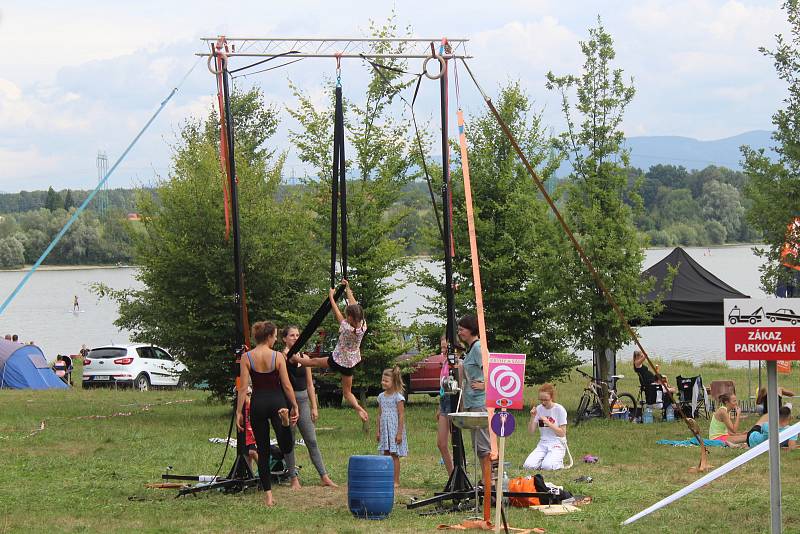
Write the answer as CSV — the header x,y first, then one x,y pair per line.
x,y
691,442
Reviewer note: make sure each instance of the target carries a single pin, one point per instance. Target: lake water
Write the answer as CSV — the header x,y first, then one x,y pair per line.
x,y
42,311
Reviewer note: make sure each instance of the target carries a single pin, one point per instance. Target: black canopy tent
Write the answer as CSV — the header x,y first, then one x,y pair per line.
x,y
696,296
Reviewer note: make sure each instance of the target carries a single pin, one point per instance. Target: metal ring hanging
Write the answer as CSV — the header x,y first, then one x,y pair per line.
x,y
210,68
442,67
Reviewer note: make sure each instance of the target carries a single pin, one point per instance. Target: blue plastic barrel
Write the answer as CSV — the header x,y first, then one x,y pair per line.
x,y
370,486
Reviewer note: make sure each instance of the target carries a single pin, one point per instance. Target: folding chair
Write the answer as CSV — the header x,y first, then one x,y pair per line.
x,y
692,396
653,395
720,387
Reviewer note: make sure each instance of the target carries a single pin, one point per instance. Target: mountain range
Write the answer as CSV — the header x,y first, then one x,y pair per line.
x,y
647,151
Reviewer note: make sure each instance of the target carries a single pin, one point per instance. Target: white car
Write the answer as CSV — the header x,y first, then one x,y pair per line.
x,y
137,365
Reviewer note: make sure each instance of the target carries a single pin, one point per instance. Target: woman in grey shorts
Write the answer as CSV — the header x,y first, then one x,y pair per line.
x,y
303,385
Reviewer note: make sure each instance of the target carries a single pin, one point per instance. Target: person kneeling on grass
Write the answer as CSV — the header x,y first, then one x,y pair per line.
x,y
347,354
760,431
551,419
724,424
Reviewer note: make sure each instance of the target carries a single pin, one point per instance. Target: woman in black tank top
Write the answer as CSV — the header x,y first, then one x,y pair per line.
x,y
271,390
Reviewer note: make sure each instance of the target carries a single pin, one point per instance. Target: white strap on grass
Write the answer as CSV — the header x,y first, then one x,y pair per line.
x,y
715,474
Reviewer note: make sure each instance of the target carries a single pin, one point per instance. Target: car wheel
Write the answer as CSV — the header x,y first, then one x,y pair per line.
x,y
752,320
794,321
142,383
772,319
732,320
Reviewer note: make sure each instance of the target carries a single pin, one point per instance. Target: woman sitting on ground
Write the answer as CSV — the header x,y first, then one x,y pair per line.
x,y
760,431
725,422
551,419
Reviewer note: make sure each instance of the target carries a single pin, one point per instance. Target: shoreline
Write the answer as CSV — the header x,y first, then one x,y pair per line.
x,y
66,268
412,258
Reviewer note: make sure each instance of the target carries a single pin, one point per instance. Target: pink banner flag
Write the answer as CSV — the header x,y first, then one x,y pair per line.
x,y
506,381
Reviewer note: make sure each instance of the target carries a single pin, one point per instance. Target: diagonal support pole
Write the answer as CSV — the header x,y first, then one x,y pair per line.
x,y
690,422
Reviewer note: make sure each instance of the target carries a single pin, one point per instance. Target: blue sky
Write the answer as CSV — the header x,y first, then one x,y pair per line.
x,y
83,76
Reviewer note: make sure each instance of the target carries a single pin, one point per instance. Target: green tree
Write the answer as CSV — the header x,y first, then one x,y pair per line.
x,y
518,242
774,188
595,207
721,202
54,200
12,253
186,302
379,168
68,202
676,205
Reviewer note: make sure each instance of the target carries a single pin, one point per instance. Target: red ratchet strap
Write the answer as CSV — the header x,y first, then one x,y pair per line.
x,y
221,61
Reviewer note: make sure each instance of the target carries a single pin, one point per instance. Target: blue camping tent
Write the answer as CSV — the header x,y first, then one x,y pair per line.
x,y
25,367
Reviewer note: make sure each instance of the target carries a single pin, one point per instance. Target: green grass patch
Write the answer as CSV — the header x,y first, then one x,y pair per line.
x,y
86,471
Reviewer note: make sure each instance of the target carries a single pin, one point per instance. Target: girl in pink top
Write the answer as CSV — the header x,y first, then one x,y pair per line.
x,y
347,354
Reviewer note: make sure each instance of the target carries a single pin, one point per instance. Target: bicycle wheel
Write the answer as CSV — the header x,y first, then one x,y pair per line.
x,y
627,400
583,405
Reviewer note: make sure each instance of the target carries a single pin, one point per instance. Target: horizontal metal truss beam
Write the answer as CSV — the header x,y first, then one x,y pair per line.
x,y
413,48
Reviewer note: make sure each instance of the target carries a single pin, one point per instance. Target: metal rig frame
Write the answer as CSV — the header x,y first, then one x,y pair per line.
x,y
302,47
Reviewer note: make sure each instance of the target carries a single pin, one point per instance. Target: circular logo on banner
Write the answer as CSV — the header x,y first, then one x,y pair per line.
x,y
505,381
503,424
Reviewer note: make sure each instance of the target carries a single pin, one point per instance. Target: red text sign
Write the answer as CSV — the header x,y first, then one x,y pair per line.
x,y
762,329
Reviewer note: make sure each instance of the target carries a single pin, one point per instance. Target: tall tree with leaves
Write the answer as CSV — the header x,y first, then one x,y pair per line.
x,y
69,203
774,188
518,242
54,200
377,172
595,206
186,302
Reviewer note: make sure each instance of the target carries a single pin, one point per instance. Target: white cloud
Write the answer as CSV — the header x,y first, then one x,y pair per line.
x,y
90,73
539,43
24,164
196,107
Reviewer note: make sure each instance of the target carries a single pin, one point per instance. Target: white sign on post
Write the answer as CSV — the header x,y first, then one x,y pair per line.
x,y
762,329
765,329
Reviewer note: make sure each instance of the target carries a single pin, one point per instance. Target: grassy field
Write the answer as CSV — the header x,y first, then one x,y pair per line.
x,y
86,470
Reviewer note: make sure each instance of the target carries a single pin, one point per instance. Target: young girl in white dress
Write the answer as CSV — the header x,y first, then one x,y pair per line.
x,y
391,434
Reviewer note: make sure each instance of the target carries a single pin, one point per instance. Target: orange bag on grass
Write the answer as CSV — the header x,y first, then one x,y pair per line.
x,y
523,485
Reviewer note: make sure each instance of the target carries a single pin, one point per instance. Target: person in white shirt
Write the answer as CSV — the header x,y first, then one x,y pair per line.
x,y
551,419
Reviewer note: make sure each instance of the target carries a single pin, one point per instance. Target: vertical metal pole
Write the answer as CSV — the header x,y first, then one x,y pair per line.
x,y
241,452
774,448
237,253
446,192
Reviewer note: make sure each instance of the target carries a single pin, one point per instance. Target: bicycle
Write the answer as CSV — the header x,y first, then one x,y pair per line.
x,y
622,404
